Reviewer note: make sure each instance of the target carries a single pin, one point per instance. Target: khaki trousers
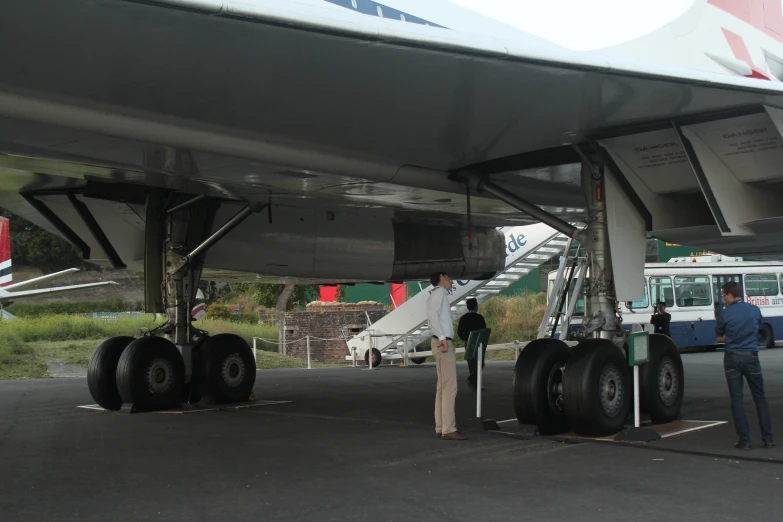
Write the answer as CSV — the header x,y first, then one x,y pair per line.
x,y
446,393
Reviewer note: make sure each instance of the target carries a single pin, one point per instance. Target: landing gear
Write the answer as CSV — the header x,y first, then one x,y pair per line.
x,y
538,386
175,362
102,372
376,357
662,381
596,388
151,373
229,369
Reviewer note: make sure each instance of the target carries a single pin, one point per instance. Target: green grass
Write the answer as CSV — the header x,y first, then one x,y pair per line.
x,y
70,328
18,360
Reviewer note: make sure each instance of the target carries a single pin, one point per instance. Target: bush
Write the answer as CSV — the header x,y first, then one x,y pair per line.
x,y
76,307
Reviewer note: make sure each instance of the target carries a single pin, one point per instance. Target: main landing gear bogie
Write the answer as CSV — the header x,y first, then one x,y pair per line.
x,y
589,389
149,372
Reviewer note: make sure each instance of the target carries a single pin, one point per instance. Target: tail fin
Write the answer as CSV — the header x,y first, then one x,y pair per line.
x,y
5,252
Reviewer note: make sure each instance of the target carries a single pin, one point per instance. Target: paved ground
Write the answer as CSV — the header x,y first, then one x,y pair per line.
x,y
359,445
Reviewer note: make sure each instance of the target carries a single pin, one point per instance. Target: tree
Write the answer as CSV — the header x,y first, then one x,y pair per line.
x,y
31,245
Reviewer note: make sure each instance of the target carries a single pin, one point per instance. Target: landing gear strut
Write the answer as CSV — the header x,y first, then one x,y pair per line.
x,y
588,389
175,362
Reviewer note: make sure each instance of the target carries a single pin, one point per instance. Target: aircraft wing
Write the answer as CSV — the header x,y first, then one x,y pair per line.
x,y
322,110
53,290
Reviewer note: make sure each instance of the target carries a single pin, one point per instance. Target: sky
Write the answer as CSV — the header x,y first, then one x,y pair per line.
x,y
582,24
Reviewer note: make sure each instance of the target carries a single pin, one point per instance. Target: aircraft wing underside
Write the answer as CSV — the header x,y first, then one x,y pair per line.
x,y
348,124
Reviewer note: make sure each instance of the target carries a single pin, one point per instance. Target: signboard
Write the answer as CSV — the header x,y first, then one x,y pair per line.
x,y
477,338
638,348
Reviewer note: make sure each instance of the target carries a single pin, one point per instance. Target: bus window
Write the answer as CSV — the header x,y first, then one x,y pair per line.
x,y
761,285
661,290
693,291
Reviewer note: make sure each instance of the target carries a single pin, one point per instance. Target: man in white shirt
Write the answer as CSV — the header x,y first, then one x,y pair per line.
x,y
442,327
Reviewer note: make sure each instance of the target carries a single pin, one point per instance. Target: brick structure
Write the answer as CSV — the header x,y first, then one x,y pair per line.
x,y
327,321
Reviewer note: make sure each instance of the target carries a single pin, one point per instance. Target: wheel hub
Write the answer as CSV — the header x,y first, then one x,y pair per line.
x,y
668,382
233,370
610,389
555,387
159,376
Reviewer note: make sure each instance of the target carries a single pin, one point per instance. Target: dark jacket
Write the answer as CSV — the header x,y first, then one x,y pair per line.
x,y
661,323
469,322
739,322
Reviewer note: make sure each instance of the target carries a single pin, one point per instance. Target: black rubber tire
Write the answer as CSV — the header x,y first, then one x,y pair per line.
x,y
418,360
591,362
536,371
766,336
376,357
143,363
102,372
662,381
229,368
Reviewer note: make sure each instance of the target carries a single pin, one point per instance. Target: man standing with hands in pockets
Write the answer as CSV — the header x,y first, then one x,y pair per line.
x,y
442,326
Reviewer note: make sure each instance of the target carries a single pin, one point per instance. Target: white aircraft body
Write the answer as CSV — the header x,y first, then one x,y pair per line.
x,y
361,140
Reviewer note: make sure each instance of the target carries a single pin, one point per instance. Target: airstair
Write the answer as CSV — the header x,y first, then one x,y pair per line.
x,y
527,248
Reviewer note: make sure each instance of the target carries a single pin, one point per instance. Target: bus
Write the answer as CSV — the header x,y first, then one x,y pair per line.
x,y
691,289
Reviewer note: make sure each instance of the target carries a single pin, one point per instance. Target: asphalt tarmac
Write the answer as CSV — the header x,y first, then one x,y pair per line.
x,y
359,445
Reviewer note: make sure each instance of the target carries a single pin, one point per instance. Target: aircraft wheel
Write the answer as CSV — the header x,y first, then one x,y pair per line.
x,y
418,360
102,372
766,336
538,385
151,373
596,388
229,368
662,381
376,357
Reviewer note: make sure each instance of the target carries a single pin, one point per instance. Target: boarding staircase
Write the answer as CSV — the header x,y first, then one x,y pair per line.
x,y
527,248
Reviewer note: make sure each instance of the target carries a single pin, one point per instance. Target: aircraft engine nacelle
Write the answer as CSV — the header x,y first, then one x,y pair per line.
x,y
326,245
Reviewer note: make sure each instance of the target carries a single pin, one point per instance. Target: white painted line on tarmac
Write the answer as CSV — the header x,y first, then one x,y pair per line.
x,y
707,424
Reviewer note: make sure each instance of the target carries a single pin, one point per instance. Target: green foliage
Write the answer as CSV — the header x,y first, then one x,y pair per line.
x,y
22,309
33,246
67,328
17,359
266,295
218,311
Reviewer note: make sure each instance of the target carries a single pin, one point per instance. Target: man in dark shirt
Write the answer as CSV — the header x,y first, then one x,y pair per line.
x,y
738,328
661,319
469,322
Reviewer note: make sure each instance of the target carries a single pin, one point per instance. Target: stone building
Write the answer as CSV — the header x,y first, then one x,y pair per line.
x,y
332,321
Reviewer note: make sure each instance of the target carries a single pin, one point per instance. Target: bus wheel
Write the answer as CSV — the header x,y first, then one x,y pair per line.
x,y
596,387
766,336
538,386
662,381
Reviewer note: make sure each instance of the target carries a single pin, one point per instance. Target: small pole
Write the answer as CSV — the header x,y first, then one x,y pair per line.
x,y
478,392
309,367
636,395
405,355
370,351
254,348
353,355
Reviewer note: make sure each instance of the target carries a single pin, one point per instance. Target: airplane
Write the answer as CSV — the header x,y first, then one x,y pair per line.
x,y
10,291
339,141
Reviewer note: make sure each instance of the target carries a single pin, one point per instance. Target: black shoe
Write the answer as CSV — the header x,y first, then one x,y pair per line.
x,y
472,386
741,445
769,445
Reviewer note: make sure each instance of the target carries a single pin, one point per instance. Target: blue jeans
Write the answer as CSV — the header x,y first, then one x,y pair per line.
x,y
738,364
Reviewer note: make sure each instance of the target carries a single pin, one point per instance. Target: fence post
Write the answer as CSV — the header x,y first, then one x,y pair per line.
x,y
478,391
309,367
405,360
254,349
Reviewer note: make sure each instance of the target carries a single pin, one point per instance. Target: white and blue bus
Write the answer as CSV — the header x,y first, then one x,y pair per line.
x,y
691,288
